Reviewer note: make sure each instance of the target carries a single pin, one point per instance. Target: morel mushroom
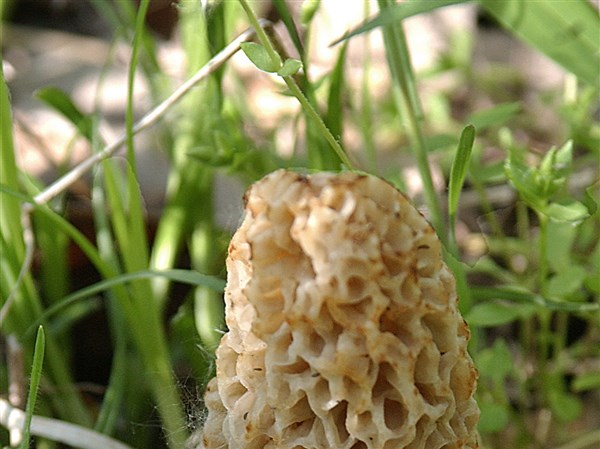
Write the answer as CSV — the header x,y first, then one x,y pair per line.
x,y
343,325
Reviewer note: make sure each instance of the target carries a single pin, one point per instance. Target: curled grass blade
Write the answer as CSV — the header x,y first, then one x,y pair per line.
x,y
62,103
397,13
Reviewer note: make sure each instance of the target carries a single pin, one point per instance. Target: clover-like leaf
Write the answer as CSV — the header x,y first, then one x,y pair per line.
x,y
260,57
290,67
573,212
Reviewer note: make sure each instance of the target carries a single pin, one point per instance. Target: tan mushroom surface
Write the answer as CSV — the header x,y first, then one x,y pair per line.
x,y
344,330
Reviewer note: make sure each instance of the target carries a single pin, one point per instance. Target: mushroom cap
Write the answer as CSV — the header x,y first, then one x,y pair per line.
x,y
344,330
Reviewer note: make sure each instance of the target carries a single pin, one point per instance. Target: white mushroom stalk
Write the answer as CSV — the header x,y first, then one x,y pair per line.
x,y
344,330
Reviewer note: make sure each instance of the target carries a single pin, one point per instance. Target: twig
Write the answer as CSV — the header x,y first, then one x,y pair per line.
x,y
64,182
587,440
57,430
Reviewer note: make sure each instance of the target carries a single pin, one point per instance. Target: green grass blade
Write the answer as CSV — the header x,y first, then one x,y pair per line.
x,y
54,263
566,31
519,295
207,304
288,21
397,13
458,171
366,99
140,310
34,383
28,306
260,57
408,106
10,221
61,102
497,115
138,39
334,118
115,394
175,275
188,179
63,226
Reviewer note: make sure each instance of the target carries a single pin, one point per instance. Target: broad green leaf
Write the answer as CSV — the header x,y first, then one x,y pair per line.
x,y
566,31
567,281
566,407
398,13
458,171
494,416
592,283
495,363
290,67
62,103
586,382
573,212
558,161
259,56
495,116
559,244
493,313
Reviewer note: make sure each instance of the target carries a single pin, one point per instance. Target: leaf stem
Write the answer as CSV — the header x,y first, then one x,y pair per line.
x,y
309,110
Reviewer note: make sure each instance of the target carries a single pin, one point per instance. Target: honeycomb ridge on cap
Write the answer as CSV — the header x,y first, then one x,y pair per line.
x,y
344,330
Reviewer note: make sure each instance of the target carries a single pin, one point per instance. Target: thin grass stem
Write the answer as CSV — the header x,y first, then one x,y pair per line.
x,y
34,383
403,77
308,108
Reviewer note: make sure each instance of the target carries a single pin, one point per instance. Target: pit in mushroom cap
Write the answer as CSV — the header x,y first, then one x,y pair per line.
x,y
344,330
